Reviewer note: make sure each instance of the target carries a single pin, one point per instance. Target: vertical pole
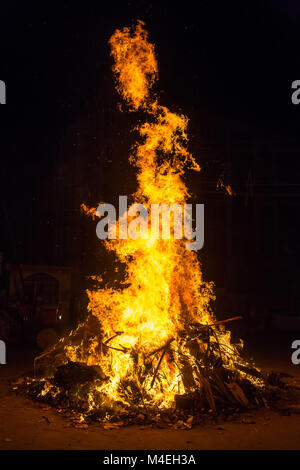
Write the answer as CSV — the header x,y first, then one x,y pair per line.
x,y
229,215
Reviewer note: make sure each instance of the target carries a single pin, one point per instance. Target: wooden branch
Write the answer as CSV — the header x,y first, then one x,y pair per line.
x,y
124,350
112,337
202,327
157,367
161,348
164,350
204,380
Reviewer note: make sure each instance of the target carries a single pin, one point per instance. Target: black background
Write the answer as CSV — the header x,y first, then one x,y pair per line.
x,y
228,66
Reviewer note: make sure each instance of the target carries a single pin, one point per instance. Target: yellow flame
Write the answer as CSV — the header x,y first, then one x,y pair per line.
x,y
135,64
164,290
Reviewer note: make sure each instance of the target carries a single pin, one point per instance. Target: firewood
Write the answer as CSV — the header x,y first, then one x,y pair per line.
x,y
118,333
161,348
208,393
122,349
223,387
217,323
238,394
158,365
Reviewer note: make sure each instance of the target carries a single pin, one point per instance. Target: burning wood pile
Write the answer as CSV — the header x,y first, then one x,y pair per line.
x,y
152,344
214,380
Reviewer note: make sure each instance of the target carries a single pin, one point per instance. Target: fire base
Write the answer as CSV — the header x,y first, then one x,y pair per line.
x,y
211,388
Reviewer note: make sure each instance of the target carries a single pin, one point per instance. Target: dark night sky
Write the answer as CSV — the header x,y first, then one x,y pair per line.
x,y
224,64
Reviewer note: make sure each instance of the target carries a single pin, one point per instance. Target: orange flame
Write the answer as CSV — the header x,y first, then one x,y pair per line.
x,y
163,291
135,64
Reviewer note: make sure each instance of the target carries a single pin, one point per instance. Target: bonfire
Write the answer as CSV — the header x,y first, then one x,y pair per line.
x,y
153,344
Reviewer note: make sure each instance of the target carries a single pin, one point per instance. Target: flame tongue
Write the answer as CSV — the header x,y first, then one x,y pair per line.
x,y
166,290
135,65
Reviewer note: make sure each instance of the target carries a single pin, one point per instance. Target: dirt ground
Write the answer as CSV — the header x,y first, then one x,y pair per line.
x,y
27,425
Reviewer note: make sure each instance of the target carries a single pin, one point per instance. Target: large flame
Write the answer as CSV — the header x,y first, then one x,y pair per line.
x,y
164,291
